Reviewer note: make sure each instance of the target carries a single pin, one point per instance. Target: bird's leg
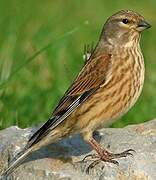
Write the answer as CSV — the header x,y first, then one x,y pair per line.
x,y
106,156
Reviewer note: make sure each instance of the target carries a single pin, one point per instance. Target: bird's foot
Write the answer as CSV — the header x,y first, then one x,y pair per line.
x,y
109,157
105,156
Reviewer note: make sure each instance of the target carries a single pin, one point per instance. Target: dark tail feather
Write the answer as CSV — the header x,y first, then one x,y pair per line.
x,y
41,132
18,160
34,139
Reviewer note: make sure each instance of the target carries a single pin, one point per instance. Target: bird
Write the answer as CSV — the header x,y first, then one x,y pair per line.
x,y
107,86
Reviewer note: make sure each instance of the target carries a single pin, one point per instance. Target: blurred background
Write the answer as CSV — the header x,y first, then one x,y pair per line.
x,y
41,48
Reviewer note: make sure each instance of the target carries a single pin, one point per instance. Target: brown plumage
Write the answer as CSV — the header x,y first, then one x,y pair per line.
x,y
106,88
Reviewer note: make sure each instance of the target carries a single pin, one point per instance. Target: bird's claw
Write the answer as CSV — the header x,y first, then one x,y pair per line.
x,y
91,156
124,154
105,157
92,165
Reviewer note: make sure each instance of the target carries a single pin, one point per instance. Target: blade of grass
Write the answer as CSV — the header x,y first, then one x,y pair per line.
x,y
5,83
6,57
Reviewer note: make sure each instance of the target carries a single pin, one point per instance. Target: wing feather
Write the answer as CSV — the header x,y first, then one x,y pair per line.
x,y
90,78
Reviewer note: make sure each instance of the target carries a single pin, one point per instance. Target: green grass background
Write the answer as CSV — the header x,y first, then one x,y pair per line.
x,y
41,47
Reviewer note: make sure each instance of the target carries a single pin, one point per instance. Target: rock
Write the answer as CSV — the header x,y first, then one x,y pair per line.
x,y
62,159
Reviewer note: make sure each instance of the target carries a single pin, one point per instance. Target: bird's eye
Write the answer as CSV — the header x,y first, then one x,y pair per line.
x,y
125,21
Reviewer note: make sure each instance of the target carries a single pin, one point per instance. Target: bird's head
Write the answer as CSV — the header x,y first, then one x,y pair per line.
x,y
124,26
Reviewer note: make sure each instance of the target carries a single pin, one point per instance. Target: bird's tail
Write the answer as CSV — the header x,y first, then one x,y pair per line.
x,y
18,160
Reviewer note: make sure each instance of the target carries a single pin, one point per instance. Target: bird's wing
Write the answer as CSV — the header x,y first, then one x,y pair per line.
x,y
92,75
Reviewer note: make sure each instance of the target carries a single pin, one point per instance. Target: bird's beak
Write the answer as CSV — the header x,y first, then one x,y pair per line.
x,y
142,25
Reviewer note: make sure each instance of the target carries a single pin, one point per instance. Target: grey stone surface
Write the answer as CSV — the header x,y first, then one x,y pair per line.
x,y
61,160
